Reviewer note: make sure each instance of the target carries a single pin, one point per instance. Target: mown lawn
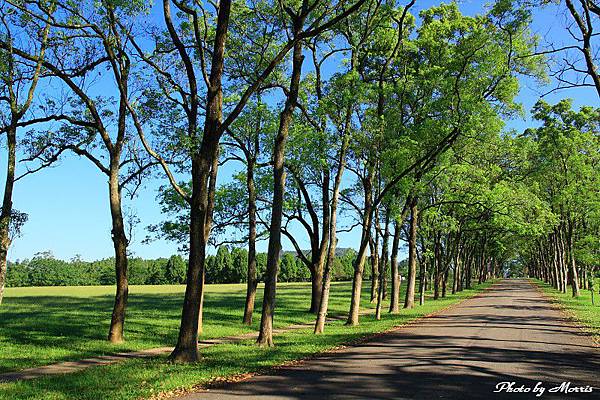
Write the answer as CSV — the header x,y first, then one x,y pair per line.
x,y
142,378
580,308
43,325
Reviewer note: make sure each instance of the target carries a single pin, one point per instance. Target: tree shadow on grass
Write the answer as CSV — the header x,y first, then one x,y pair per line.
x,y
402,366
39,330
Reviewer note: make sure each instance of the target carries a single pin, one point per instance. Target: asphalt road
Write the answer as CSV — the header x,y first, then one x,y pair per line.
x,y
510,333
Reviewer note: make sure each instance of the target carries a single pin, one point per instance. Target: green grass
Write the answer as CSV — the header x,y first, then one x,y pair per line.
x,y
140,378
580,308
43,325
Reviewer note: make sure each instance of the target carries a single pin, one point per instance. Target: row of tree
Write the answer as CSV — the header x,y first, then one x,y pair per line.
x,y
365,110
45,270
226,266
566,153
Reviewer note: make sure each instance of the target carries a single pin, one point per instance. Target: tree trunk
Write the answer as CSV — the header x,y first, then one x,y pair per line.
x,y
445,282
438,267
481,268
561,261
356,286
252,282
383,266
373,245
395,295
265,336
564,261
555,267
385,256
186,349
574,282
17,111
120,242
359,263
204,162
461,272
5,215
455,276
409,302
322,253
316,279
469,265
422,278
324,300
324,304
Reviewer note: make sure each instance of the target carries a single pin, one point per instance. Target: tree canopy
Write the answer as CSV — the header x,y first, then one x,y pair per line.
x,y
370,116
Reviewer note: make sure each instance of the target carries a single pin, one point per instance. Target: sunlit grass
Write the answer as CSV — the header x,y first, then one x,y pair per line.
x,y
579,307
134,379
42,325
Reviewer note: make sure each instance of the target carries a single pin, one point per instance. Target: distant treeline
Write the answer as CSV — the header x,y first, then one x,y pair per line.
x,y
228,265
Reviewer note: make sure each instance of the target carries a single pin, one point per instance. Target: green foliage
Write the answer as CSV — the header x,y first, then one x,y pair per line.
x,y
228,265
564,157
343,265
45,270
291,269
175,270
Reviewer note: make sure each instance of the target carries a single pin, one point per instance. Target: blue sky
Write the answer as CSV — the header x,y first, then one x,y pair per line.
x,y
68,204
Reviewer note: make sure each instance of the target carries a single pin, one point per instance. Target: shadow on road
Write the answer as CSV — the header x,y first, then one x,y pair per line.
x,y
509,334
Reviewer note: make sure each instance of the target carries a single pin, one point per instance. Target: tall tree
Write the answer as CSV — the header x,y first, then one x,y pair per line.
x,y
20,80
200,95
96,42
470,50
567,154
253,127
339,105
305,12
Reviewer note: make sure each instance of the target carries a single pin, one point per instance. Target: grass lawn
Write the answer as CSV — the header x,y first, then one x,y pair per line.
x,y
580,308
43,325
153,321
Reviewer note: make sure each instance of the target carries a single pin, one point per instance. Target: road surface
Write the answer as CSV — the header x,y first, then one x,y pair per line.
x,y
510,333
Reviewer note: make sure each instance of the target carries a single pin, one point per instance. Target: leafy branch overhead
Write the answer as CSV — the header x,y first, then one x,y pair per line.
x,y
279,133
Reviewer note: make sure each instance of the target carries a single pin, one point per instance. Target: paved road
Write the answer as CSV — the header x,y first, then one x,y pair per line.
x,y
508,334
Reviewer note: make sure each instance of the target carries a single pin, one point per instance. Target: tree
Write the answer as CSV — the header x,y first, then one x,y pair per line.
x,y
175,269
424,127
86,119
575,59
20,80
248,133
202,150
584,19
412,255
566,158
299,17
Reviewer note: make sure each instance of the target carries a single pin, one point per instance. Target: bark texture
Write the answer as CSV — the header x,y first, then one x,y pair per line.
x,y
117,323
252,282
395,293
204,166
5,215
359,263
409,301
265,336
